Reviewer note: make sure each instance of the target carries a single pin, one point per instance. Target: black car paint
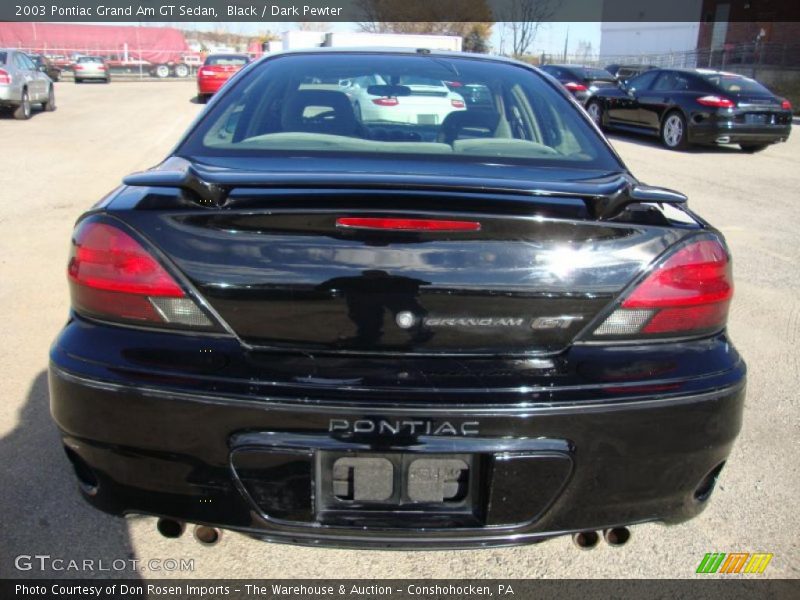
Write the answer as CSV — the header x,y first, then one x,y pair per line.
x,y
578,74
639,107
215,429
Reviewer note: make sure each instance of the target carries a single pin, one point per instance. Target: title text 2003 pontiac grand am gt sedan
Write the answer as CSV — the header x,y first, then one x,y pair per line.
x,y
464,329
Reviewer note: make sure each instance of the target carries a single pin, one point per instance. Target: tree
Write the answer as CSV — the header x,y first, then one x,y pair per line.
x,y
522,21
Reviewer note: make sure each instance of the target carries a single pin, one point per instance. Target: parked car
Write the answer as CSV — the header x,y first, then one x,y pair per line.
x,y
625,72
406,99
45,65
695,106
319,329
91,68
581,81
216,71
22,84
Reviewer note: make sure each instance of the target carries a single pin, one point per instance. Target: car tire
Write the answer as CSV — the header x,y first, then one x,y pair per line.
x,y
50,104
673,131
107,80
23,111
753,148
203,98
595,111
78,80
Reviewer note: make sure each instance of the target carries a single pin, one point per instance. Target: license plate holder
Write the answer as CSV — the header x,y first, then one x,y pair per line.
x,y
757,118
366,482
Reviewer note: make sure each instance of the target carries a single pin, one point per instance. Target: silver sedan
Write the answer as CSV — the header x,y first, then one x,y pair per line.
x,y
22,84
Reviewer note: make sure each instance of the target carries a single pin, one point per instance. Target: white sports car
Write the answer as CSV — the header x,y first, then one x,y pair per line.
x,y
415,100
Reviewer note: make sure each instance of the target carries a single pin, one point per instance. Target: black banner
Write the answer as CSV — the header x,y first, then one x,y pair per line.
x,y
716,587
761,11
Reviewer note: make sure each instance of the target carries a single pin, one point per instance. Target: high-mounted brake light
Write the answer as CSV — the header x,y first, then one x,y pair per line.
x,y
786,105
113,277
407,224
716,102
386,101
689,293
572,86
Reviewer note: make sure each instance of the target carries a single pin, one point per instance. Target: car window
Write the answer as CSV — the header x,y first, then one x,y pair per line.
x,y
486,109
23,62
90,59
589,73
3,58
227,61
735,84
643,81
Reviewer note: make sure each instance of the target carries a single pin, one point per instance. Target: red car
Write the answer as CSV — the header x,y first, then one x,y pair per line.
x,y
216,70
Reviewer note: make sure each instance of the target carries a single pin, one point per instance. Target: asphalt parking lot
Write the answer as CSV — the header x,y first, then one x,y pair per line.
x,y
58,164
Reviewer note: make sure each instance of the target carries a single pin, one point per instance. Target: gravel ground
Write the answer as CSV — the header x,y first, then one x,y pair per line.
x,y
58,164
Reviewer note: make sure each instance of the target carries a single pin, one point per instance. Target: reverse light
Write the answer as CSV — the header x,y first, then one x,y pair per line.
x,y
386,101
572,86
786,105
112,276
716,102
687,294
407,224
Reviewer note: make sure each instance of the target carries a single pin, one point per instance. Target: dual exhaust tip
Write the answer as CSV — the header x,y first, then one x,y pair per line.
x,y
615,536
204,534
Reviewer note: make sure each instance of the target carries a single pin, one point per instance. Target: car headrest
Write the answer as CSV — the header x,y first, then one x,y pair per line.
x,y
303,109
457,121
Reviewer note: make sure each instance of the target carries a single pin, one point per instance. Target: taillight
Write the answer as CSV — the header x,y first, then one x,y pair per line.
x,y
786,105
102,67
78,67
113,277
575,87
457,103
5,78
386,101
688,294
407,224
716,102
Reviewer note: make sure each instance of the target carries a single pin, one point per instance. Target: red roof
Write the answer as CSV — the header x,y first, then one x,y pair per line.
x,y
155,44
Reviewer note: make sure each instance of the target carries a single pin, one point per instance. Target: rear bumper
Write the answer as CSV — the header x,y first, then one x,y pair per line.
x,y
732,133
209,86
249,461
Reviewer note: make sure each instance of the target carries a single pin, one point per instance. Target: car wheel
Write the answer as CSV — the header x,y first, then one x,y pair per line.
x,y
107,80
50,104
162,71
673,131
23,111
203,98
78,80
753,148
595,111
181,71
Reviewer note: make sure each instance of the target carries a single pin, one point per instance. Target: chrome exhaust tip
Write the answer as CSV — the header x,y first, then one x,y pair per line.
x,y
170,528
723,139
207,536
617,536
586,540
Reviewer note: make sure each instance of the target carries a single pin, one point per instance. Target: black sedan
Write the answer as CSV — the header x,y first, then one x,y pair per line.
x,y
582,82
313,327
45,65
695,106
628,71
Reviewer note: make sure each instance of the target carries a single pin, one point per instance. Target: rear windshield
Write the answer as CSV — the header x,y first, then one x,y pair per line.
x,y
227,61
736,84
362,103
90,59
590,73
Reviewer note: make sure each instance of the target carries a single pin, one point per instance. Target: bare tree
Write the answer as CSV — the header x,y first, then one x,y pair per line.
x,y
522,21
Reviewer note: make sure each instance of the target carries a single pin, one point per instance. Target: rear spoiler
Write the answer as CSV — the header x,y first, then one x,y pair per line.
x,y
605,198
